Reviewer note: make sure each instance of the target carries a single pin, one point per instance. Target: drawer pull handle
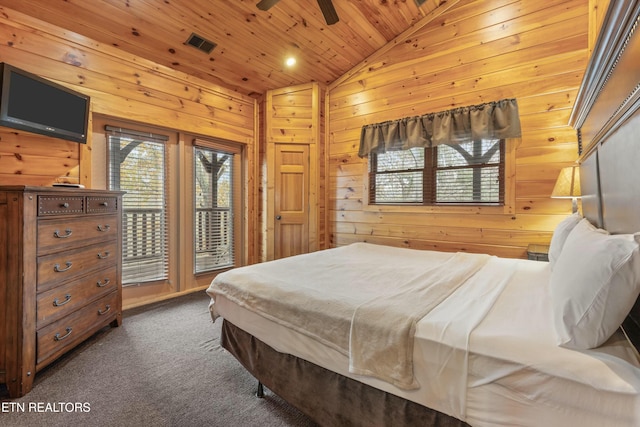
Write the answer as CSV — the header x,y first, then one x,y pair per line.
x,y
104,255
107,309
62,236
104,228
57,268
57,303
58,337
105,204
65,205
101,284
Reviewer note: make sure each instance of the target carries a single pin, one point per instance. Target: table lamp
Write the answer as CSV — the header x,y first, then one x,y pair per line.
x,y
568,185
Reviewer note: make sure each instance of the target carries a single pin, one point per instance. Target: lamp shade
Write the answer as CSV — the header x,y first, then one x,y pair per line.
x,y
568,183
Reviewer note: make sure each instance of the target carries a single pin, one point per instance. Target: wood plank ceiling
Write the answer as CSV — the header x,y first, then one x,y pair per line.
x,y
251,45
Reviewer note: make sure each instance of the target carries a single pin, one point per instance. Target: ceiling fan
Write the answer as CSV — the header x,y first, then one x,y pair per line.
x,y
326,6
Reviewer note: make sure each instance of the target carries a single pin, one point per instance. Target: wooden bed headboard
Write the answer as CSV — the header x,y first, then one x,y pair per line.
x,y
607,118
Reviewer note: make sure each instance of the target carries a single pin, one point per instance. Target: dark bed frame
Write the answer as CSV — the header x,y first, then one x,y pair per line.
x,y
607,118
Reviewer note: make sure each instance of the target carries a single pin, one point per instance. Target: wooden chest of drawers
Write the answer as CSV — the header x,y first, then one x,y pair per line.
x,y
60,270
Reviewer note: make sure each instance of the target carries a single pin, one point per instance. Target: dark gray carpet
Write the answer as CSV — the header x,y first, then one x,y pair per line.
x,y
163,367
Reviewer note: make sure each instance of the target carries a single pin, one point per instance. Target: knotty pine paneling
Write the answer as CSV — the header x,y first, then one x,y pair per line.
x,y
32,159
122,86
295,115
597,12
476,52
292,114
251,44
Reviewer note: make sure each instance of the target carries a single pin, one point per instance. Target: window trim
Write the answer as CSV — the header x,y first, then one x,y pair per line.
x,y
508,208
181,279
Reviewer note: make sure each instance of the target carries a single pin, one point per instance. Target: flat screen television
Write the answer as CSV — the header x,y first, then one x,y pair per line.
x,y
34,104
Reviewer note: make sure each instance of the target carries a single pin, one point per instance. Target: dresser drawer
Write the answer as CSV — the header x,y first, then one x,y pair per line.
x,y
60,267
60,336
55,235
60,205
58,302
106,204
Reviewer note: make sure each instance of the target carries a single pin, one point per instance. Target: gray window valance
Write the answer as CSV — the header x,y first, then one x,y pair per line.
x,y
493,120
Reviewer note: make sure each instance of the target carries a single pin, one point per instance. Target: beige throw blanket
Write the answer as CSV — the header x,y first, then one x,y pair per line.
x,y
382,330
353,300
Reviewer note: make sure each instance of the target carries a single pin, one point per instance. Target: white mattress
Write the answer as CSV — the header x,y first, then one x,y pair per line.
x,y
513,374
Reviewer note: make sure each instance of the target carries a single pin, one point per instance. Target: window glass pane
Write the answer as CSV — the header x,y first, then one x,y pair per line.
x,y
465,173
213,224
400,160
469,153
399,187
451,185
399,176
137,166
449,156
490,188
481,185
468,172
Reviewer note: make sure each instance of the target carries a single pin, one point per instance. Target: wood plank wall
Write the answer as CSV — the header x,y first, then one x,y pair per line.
x,y
477,51
121,86
296,115
597,12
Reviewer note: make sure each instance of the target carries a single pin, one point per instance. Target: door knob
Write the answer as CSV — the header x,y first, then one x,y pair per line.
x,y
278,217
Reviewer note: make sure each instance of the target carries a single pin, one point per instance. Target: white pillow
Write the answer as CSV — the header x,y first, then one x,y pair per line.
x,y
560,235
595,282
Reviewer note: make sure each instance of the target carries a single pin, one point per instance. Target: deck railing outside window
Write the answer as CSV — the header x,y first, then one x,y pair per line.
x,y
213,237
143,248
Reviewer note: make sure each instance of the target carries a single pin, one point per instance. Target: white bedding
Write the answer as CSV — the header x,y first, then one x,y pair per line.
x,y
371,321
486,354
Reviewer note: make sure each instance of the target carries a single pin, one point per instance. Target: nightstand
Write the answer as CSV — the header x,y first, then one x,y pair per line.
x,y
538,252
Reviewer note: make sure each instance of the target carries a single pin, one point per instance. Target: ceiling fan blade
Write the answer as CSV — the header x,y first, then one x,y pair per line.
x,y
328,11
266,4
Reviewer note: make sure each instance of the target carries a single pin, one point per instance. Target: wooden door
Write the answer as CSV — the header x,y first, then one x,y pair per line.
x,y
291,199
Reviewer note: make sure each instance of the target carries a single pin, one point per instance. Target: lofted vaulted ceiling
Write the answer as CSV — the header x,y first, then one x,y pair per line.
x,y
251,44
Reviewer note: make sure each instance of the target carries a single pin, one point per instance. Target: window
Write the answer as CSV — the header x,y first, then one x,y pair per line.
x,y
183,207
214,208
137,165
465,173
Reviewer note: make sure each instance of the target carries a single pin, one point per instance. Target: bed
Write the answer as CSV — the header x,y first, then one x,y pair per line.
x,y
478,355
373,335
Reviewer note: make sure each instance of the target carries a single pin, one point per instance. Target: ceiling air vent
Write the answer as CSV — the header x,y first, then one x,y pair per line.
x,y
200,43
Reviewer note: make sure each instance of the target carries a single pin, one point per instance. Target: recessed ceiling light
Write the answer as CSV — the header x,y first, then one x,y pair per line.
x,y
290,61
